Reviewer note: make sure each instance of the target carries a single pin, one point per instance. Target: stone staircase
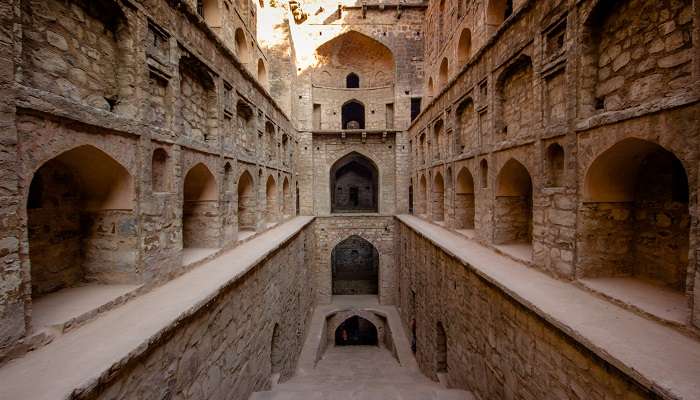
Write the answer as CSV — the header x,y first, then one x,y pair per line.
x,y
360,373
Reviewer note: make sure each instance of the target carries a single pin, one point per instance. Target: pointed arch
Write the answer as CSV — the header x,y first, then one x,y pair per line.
x,y
247,202
271,205
355,267
513,204
438,198
69,197
465,206
354,180
353,114
636,200
287,198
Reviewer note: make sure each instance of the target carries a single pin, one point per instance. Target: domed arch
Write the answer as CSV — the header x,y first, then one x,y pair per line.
x,y
353,52
355,267
354,180
69,198
636,200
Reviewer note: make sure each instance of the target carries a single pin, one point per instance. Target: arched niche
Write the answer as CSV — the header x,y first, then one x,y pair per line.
x,y
76,201
247,203
353,115
444,73
440,349
422,196
464,47
288,207
160,173
465,207
634,220
354,184
355,267
242,49
262,73
513,204
438,198
211,12
352,81
356,331
555,165
356,53
271,211
515,94
498,11
200,209
431,87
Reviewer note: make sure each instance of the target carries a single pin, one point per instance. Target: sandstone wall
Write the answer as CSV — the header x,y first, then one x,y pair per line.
x,y
496,348
226,350
119,81
331,230
527,94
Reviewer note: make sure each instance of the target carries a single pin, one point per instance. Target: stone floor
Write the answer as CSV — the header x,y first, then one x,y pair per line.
x,y
360,373
661,302
194,254
69,306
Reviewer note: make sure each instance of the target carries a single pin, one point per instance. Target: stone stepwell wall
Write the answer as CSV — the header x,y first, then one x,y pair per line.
x,y
496,347
224,350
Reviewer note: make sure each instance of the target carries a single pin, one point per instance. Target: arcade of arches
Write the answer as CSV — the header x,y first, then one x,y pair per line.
x,y
477,199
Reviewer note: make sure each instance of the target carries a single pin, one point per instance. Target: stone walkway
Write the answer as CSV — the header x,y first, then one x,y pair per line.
x,y
360,373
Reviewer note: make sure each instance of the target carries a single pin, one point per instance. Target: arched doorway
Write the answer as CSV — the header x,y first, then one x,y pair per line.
x,y
354,184
200,211
355,267
356,331
422,196
77,201
352,81
247,203
513,204
441,349
353,115
634,219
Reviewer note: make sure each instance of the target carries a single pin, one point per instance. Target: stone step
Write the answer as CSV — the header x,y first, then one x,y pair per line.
x,y
387,393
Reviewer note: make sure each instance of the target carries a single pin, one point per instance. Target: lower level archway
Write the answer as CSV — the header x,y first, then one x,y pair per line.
x,y
355,267
356,331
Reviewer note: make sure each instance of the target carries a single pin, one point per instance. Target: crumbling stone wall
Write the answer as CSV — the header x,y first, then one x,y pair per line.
x,y
640,51
107,75
496,347
224,350
582,77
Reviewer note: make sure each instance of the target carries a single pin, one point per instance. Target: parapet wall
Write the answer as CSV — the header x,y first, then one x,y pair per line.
x,y
496,346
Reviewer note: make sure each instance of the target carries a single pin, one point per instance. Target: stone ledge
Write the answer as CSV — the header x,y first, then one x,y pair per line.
x,y
78,362
656,356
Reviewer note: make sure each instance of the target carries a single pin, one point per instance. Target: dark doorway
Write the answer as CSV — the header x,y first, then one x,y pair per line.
x,y
356,331
352,81
353,115
355,267
354,184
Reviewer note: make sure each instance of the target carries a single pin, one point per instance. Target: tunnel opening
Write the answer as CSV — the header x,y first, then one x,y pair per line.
x,y
356,331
